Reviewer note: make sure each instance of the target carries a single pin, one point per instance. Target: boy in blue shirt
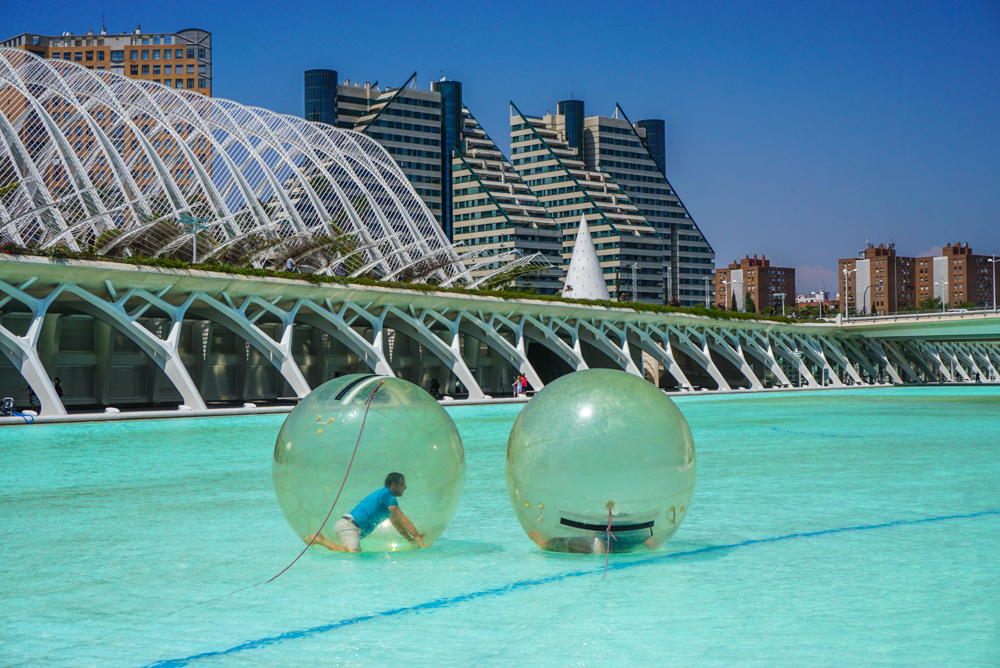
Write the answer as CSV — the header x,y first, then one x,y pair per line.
x,y
368,514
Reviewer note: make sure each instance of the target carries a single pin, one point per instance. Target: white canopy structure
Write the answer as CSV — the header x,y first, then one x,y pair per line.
x,y
95,161
584,278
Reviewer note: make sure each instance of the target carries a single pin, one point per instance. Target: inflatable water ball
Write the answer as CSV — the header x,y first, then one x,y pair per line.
x,y
406,432
597,441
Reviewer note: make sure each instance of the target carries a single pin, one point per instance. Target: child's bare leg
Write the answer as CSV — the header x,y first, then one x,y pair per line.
x,y
318,539
539,541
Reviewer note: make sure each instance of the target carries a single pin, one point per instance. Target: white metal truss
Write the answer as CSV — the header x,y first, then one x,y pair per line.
x,y
96,161
444,334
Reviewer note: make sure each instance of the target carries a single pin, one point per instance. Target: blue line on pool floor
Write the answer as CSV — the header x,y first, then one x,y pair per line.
x,y
526,584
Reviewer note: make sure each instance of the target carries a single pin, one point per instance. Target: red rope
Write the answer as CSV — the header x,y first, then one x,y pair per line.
x,y
368,405
607,547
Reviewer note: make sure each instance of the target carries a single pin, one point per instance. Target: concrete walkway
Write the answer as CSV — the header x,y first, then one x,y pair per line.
x,y
269,410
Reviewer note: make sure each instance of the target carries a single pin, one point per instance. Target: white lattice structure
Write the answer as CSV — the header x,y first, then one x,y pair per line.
x,y
95,161
124,335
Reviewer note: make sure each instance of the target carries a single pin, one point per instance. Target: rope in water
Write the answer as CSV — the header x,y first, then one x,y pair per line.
x,y
610,536
368,405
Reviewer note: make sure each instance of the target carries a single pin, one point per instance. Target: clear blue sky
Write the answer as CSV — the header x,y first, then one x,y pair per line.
x,y
794,129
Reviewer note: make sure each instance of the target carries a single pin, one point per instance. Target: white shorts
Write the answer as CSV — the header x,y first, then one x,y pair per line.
x,y
348,533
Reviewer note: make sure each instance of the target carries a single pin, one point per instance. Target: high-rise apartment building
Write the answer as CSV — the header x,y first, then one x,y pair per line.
x,y
878,279
649,246
629,248
754,279
635,156
408,122
622,180
177,60
494,207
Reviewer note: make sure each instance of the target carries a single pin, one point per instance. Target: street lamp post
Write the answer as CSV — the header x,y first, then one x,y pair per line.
x,y
944,293
192,227
782,295
725,306
846,272
864,299
994,263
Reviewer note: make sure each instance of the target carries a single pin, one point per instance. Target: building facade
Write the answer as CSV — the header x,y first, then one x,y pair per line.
x,y
630,249
635,156
321,96
957,277
181,60
495,210
609,164
753,279
879,280
407,121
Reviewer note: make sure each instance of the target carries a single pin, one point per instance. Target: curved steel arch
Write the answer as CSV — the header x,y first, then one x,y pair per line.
x,y
94,159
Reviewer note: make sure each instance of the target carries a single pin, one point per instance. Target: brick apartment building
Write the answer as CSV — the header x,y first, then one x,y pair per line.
x,y
755,279
957,276
879,280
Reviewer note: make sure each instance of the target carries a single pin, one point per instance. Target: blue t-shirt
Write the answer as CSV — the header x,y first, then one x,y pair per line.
x,y
373,510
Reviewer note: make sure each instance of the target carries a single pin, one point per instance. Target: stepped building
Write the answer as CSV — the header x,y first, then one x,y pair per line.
x,y
493,206
543,153
407,121
562,166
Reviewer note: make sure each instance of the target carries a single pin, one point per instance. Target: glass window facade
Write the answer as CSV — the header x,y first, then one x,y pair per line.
x,y
573,111
321,96
656,140
451,137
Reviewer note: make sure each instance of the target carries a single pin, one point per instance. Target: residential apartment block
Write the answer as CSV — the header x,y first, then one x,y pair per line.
x,y
561,166
754,279
494,206
957,276
176,60
407,121
879,280
546,151
635,156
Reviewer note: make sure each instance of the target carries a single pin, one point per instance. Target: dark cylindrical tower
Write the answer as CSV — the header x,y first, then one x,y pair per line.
x,y
451,140
656,139
573,111
321,96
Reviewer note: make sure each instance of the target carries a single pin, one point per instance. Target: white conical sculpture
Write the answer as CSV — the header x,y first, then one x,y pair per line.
x,y
584,279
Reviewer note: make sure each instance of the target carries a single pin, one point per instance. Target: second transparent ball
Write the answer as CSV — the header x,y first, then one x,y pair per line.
x,y
596,441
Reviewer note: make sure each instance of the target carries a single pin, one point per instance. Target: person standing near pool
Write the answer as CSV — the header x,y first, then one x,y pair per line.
x,y
368,514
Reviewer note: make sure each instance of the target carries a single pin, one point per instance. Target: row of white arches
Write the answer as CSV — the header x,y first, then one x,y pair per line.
x,y
95,161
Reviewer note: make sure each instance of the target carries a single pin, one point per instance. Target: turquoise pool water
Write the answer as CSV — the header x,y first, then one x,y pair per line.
x,y
112,534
